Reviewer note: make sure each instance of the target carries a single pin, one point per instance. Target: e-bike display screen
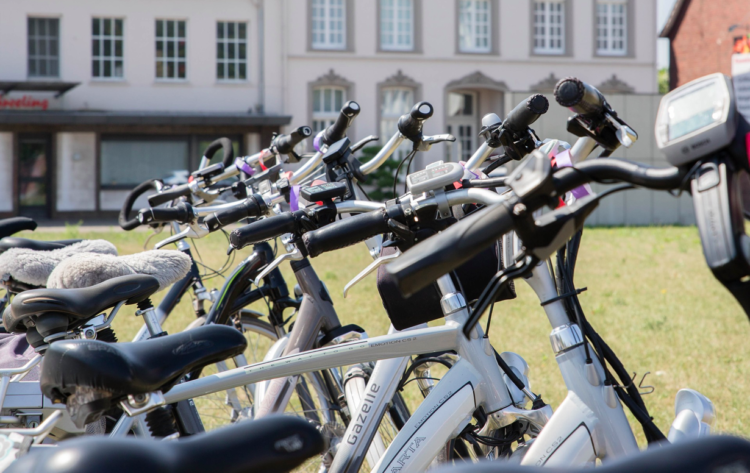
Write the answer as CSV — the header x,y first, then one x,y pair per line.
x,y
695,110
696,119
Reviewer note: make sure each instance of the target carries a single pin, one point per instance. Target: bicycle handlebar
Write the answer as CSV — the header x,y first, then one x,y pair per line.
x,y
347,232
410,124
264,230
526,113
579,97
169,195
285,143
252,207
337,131
421,265
224,144
181,213
127,206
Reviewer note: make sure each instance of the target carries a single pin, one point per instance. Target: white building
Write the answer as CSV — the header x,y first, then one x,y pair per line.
x,y
100,95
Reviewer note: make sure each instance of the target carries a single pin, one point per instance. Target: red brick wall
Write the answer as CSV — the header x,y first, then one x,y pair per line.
x,y
702,45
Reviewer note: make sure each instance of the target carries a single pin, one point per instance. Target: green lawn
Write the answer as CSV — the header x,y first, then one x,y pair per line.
x,y
649,295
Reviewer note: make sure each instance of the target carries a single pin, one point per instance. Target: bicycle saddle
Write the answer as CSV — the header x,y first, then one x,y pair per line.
x,y
712,454
9,226
33,267
52,311
273,444
90,375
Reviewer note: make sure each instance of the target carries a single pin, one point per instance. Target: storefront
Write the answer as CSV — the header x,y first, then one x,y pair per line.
x,y
80,164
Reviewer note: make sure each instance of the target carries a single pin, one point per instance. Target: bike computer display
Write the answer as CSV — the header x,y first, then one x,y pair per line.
x,y
696,119
434,176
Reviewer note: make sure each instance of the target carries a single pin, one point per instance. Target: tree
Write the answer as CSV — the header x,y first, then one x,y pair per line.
x,y
663,79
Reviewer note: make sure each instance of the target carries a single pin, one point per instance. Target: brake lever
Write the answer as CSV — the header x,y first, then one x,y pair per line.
x,y
370,268
625,135
295,255
427,141
194,230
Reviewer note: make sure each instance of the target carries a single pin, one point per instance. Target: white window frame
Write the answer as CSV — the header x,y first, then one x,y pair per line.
x,y
46,39
544,34
112,58
223,44
327,15
389,118
468,24
323,118
176,60
457,151
397,25
605,28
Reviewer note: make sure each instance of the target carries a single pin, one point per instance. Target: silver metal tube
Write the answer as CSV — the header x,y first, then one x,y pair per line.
x,y
384,154
581,149
479,157
410,342
306,168
357,206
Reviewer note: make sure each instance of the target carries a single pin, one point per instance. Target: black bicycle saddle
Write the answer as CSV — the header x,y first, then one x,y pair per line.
x,y
51,311
273,444
90,375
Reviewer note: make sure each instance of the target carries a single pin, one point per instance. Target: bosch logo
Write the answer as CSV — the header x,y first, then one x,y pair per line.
x,y
700,143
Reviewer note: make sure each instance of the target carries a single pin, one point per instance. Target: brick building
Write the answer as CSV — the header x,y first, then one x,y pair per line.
x,y
701,34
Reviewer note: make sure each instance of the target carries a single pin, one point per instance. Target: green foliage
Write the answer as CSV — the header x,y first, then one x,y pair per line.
x,y
382,178
663,79
72,230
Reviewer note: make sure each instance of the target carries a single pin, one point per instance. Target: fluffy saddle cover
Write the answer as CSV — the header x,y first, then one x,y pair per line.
x,y
84,270
34,267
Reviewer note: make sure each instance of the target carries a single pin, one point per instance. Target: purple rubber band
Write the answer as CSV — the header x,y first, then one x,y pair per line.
x,y
563,161
294,198
317,141
244,167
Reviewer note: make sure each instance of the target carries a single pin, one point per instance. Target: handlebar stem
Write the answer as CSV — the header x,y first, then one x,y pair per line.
x,y
306,168
479,157
581,149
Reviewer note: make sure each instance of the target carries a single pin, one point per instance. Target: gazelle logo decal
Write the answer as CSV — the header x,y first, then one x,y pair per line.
x,y
364,414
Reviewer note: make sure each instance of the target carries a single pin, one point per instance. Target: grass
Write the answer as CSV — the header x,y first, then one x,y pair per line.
x,y
650,296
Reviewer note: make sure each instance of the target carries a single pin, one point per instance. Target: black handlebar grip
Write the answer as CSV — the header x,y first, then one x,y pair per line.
x,y
263,230
127,206
345,232
182,213
253,206
410,125
224,144
579,97
169,195
428,260
286,143
526,113
337,131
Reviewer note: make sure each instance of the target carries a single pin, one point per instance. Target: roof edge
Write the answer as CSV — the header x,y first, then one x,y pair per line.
x,y
675,18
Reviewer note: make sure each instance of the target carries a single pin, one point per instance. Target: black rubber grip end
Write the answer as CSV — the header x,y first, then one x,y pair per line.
x,y
569,92
537,104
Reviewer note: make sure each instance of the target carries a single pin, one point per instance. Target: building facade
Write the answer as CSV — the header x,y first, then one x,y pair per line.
x,y
702,36
113,93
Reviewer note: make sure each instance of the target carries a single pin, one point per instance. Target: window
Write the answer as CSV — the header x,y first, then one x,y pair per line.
x,y
171,50
328,24
474,26
549,29
611,28
44,50
394,102
125,163
397,25
327,103
106,54
231,50
462,119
